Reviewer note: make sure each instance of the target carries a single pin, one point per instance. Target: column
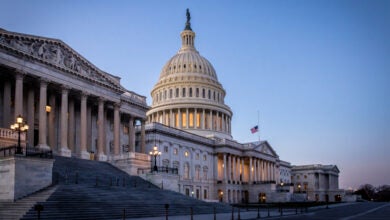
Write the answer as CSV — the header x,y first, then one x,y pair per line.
x,y
7,119
64,150
131,135
215,164
250,170
171,124
187,118
18,95
242,169
30,116
143,150
42,144
101,155
179,113
255,169
71,126
224,168
83,127
116,129
239,170
234,169
202,119
211,120
165,122
51,123
89,129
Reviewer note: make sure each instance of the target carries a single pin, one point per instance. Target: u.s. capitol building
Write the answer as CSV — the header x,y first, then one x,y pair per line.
x,y
77,110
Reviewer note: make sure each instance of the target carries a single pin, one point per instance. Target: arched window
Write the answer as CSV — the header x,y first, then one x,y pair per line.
x,y
177,92
209,94
197,92
170,93
190,92
203,93
184,92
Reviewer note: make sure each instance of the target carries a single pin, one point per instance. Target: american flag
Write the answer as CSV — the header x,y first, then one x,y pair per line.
x,y
255,129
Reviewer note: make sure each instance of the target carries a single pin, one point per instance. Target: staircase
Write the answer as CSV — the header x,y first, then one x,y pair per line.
x,y
97,190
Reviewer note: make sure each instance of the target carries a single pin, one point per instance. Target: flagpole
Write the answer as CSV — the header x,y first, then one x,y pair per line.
x,y
258,122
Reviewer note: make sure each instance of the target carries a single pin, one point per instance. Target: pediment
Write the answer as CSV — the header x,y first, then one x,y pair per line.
x,y
265,148
57,54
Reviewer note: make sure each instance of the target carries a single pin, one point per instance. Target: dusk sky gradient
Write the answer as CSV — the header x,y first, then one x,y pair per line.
x,y
316,71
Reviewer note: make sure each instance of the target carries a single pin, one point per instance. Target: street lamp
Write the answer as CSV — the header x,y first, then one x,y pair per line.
x,y
19,126
155,153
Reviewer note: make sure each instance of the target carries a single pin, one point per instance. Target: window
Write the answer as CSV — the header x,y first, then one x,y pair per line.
x,y
184,119
205,194
197,156
197,92
175,151
203,93
197,172
166,149
187,192
197,193
209,94
170,93
183,92
165,163
190,92
177,92
186,154
125,129
205,171
198,120
205,157
186,173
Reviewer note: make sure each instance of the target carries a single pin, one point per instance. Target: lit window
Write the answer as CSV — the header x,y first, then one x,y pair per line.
x,y
166,149
197,156
204,157
175,151
186,153
191,119
183,119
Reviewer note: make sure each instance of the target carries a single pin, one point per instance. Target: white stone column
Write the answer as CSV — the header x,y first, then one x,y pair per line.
x,y
239,170
143,150
101,155
211,120
30,116
202,120
224,168
234,169
180,116
171,124
64,150
250,171
116,129
51,125
83,127
71,126
18,95
131,134
7,118
242,169
42,142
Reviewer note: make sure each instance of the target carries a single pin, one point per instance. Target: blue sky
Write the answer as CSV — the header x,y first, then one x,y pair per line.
x,y
317,72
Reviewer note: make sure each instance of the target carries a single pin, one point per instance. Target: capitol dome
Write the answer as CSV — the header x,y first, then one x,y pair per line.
x,y
188,95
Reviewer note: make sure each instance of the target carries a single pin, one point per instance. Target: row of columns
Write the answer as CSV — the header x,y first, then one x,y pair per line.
x,y
208,119
67,119
258,169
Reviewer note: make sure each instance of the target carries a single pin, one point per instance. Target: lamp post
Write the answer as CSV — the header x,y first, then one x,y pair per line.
x,y
19,126
155,153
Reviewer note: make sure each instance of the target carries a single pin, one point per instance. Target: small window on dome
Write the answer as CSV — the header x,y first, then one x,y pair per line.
x,y
190,92
174,67
197,92
204,93
170,93
184,66
195,66
177,92
200,67
184,92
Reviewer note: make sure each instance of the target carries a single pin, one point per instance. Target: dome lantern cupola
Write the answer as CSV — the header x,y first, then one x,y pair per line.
x,y
187,36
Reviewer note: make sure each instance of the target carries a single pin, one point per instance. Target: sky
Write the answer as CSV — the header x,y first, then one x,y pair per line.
x,y
314,75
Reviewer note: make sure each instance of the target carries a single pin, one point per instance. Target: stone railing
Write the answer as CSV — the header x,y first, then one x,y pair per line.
x,y
9,137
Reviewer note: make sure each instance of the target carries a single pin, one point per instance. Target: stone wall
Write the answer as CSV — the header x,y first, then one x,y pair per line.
x,y
21,176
